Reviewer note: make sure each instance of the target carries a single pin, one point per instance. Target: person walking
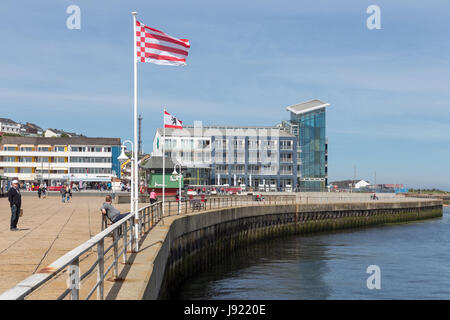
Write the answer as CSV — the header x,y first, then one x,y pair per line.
x,y
39,191
15,202
44,191
68,193
63,194
152,196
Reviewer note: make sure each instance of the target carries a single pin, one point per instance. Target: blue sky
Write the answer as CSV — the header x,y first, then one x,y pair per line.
x,y
388,89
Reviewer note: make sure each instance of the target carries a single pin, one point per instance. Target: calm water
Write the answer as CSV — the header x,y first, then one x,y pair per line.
x,y
414,259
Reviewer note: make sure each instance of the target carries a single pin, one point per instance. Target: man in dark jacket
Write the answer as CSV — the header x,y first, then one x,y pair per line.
x,y
15,201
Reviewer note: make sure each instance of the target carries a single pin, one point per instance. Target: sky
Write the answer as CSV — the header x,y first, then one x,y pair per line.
x,y
388,88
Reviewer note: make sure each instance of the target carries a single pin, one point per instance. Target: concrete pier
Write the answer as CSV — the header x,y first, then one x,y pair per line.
x,y
185,244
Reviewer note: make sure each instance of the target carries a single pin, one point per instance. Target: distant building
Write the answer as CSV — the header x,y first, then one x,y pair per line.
x,y
348,184
58,160
30,129
52,133
153,168
9,126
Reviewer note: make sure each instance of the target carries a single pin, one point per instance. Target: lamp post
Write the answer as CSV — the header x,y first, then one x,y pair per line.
x,y
133,196
178,177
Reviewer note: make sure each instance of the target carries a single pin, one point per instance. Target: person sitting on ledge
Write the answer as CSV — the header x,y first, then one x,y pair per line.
x,y
112,213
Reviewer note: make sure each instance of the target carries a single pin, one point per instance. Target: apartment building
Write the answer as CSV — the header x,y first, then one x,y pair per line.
x,y
227,155
58,160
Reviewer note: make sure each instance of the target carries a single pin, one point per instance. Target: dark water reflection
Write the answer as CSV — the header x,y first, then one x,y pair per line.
x,y
414,259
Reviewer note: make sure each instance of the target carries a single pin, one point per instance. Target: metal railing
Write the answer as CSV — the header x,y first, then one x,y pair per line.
x,y
122,232
123,238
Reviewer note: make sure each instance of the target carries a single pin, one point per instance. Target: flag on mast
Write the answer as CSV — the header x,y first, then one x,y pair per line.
x,y
157,47
171,122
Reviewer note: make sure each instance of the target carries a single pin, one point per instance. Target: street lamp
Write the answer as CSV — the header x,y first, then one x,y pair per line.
x,y
178,177
122,158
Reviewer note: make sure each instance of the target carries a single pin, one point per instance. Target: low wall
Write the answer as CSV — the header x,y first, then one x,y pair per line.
x,y
300,196
193,242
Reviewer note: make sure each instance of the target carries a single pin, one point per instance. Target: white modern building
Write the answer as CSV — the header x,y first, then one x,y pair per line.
x,y
59,160
257,157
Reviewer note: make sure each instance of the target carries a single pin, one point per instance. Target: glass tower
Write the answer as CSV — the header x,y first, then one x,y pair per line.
x,y
307,123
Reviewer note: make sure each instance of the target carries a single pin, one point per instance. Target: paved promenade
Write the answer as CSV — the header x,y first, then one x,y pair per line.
x,y
47,230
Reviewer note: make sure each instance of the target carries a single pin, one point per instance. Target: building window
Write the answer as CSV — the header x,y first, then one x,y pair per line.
x,y
285,170
253,144
253,169
170,144
59,149
9,170
220,157
239,144
9,148
91,170
202,143
238,169
285,145
221,168
26,148
253,156
285,157
221,144
9,159
90,159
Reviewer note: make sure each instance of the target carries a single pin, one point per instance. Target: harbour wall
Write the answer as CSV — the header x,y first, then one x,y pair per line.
x,y
194,242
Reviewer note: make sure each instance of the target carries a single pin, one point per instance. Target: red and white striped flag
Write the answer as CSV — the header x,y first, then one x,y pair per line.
x,y
158,47
171,122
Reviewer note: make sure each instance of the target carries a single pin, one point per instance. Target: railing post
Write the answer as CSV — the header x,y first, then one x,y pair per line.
x,y
131,242
143,221
152,216
74,279
116,251
125,241
100,269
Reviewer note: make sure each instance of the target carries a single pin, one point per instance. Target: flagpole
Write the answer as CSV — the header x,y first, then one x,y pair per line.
x,y
164,162
135,149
